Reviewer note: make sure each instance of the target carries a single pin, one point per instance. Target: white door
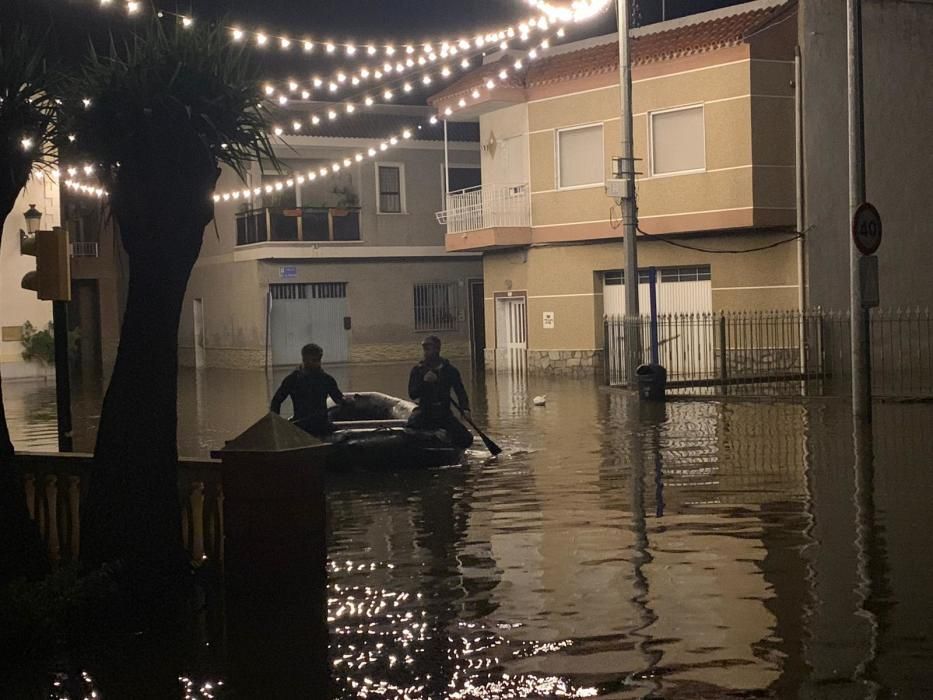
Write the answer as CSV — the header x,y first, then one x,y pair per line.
x,y
199,349
511,332
309,313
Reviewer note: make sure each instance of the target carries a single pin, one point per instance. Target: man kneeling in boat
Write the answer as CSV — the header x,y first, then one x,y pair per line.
x,y
309,386
430,384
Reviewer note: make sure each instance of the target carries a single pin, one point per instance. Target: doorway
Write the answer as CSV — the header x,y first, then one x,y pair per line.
x,y
511,331
477,323
309,313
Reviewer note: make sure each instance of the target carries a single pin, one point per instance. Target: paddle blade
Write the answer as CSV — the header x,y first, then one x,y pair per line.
x,y
493,448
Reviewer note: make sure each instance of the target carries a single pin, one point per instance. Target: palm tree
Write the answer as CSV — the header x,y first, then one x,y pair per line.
x,y
158,115
28,127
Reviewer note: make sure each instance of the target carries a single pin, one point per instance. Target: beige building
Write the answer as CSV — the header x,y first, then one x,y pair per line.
x,y
354,260
714,138
17,305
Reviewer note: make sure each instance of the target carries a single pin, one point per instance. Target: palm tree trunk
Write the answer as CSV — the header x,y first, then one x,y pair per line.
x,y
22,552
132,511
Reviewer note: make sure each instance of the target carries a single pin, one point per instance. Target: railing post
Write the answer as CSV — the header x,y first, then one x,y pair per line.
x,y
196,497
29,488
51,502
74,513
723,363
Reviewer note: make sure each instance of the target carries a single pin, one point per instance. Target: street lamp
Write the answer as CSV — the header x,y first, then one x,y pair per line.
x,y
32,216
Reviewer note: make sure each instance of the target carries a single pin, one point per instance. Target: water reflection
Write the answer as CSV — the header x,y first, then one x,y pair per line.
x,y
697,549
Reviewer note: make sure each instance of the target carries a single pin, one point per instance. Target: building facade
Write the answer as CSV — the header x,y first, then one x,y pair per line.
x,y
714,126
17,305
354,261
898,92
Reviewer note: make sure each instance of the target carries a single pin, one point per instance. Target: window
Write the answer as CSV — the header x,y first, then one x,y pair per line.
x,y
678,141
580,157
391,184
436,306
699,273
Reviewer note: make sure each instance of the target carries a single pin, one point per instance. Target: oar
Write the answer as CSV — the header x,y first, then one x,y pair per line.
x,y
493,448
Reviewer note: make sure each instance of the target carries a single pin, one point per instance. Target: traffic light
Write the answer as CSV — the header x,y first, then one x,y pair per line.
x,y
51,279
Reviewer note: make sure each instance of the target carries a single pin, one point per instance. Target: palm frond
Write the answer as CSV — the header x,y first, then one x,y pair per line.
x,y
181,78
29,106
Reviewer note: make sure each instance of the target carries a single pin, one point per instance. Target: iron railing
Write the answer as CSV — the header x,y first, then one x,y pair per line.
x,y
298,224
779,352
487,206
85,249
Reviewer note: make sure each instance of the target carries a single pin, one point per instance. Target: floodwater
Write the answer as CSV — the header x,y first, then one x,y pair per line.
x,y
701,549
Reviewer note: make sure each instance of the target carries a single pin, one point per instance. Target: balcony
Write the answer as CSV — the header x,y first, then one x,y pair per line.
x,y
487,217
85,249
309,224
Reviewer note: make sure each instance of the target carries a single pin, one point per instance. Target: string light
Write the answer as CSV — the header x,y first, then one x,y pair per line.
x,y
334,167
388,94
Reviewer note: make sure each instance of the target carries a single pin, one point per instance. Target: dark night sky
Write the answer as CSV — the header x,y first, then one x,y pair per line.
x,y
360,20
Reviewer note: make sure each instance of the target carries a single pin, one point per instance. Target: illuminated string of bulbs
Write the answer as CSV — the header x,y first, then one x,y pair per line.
x,y
313,174
336,166
337,110
282,93
89,190
578,11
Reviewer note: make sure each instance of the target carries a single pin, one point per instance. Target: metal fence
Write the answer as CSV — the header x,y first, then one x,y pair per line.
x,y
778,352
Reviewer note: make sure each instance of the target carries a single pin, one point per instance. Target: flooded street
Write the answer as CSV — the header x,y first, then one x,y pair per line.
x,y
698,549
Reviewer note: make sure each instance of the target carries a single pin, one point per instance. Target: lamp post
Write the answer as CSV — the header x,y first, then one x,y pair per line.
x,y
629,211
60,330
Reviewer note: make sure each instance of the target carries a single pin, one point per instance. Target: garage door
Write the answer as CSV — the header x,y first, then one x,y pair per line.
x,y
309,313
681,290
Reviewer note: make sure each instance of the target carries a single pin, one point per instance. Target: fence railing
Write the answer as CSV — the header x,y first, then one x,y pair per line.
x,y
55,486
298,224
776,352
487,206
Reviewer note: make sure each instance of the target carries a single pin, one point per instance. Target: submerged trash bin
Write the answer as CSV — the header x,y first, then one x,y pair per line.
x,y
275,559
652,382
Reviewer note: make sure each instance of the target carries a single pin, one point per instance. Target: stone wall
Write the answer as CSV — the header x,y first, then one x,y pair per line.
x,y
402,352
567,363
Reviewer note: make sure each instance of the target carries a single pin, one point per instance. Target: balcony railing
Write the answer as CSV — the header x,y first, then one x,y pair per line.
x,y
85,249
298,224
487,206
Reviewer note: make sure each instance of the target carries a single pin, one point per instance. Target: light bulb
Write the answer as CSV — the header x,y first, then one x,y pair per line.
x,y
465,63
305,95
358,157
433,119
308,46
237,34
329,47
278,131
186,22
296,126
284,42
461,103
407,87
350,109
426,80
475,94
261,39
331,115
371,50
315,120
406,134
292,85
448,111
369,101
387,94
351,49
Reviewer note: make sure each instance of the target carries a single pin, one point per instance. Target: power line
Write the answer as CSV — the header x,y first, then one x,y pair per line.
x,y
727,251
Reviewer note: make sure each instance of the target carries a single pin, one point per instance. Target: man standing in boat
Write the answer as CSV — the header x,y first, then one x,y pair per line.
x,y
430,384
309,386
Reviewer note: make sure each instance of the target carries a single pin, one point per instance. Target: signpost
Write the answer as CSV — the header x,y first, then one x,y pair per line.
x,y
288,272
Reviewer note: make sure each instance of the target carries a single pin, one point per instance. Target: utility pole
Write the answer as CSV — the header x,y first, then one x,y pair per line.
x,y
629,210
859,316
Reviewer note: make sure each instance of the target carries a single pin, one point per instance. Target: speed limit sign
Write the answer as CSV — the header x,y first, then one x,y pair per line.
x,y
866,229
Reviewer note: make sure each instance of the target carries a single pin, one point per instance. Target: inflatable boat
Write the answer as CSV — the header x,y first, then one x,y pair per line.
x,y
370,433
